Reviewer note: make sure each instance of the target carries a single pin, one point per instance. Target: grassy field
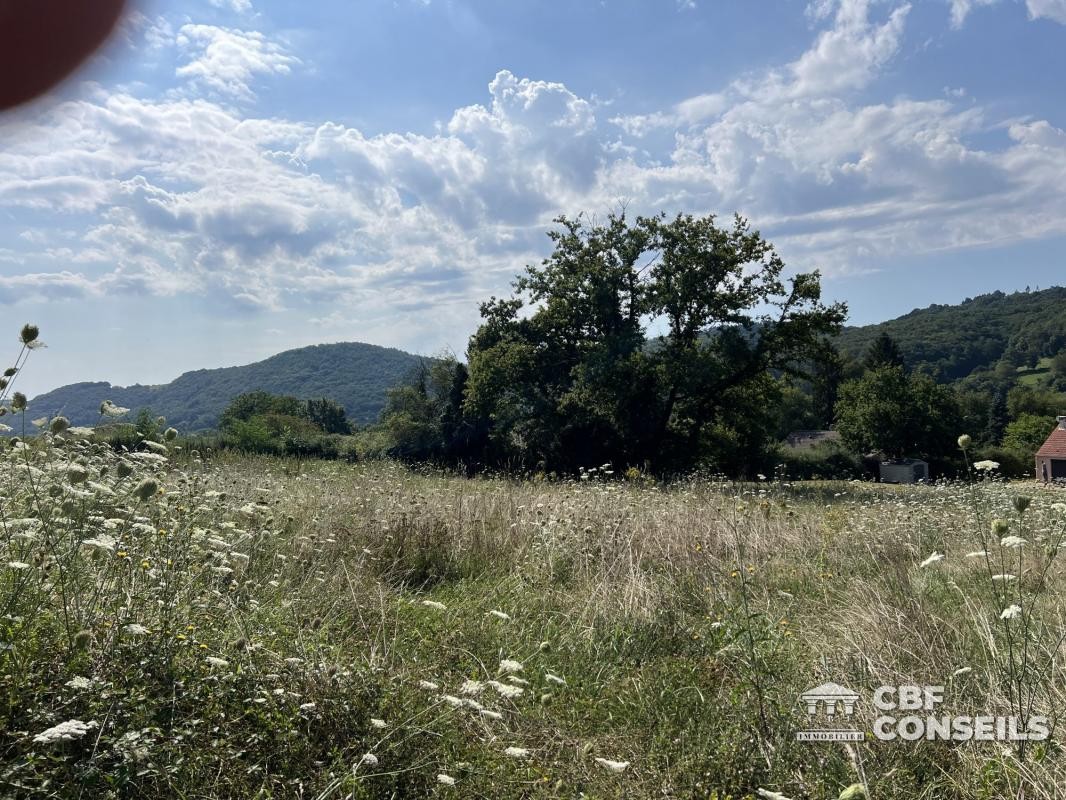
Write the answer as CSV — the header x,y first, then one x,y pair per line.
x,y
199,627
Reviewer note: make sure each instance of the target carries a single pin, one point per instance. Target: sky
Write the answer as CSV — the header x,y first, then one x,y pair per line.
x,y
233,178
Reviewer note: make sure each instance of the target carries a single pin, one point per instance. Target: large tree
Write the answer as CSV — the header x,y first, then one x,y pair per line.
x,y
643,343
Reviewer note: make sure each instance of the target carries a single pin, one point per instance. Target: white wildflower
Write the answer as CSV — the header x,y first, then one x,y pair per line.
x,y
768,795
65,732
935,557
977,554
17,565
554,679
447,780
434,604
452,700
511,667
79,682
490,714
506,690
613,766
369,759
1012,541
214,661
516,752
430,685
471,687
1004,577
101,542
1011,611
109,409
307,707
377,723
156,447
986,466
499,614
136,629
517,681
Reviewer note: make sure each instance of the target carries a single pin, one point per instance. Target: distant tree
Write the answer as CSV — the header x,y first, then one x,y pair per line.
x,y
1028,432
795,411
257,403
1037,401
883,352
898,414
1058,364
425,419
998,418
827,375
327,415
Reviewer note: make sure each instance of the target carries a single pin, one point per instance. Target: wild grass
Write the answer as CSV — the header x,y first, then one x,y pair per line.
x,y
199,625
236,632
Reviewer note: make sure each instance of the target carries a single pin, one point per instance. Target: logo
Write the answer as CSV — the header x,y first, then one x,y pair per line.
x,y
824,700
908,713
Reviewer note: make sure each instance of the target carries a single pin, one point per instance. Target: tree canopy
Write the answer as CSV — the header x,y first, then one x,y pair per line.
x,y
891,412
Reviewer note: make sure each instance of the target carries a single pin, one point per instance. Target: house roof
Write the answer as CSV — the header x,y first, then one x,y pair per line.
x,y
1055,446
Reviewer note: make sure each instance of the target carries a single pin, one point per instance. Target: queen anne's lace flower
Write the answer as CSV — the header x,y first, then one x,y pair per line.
x,y
1011,611
65,732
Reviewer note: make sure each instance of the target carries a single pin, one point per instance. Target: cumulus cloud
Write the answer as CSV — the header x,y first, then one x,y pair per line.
x,y
176,195
226,60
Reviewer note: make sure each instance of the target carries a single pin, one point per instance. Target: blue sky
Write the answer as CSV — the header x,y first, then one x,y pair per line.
x,y
232,178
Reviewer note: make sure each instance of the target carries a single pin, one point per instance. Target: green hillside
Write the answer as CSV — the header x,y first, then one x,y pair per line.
x,y
355,375
1008,332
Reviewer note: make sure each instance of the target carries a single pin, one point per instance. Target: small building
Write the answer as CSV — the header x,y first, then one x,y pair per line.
x,y
803,439
904,470
1051,457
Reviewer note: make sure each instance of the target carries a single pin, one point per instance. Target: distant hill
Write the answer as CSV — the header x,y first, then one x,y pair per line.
x,y
952,342
355,375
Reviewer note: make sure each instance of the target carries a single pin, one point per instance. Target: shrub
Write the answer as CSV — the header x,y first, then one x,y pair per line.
x,y
826,460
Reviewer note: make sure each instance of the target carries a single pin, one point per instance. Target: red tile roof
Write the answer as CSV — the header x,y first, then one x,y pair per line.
x,y
1055,446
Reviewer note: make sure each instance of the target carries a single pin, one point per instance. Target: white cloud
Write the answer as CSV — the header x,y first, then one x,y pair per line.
x,y
181,196
1038,9
1048,9
848,55
226,60
239,6
960,9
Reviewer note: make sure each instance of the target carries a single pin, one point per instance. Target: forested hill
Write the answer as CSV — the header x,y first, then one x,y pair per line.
x,y
355,375
954,341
